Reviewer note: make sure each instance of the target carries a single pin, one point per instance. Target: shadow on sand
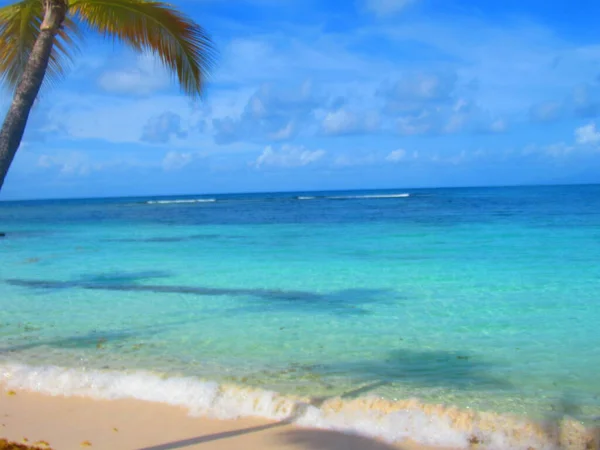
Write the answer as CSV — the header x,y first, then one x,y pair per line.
x,y
332,440
300,438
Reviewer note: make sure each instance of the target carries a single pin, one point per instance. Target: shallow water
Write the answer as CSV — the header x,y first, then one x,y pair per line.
x,y
482,298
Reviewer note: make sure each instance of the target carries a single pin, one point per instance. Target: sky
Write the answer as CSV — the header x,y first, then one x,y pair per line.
x,y
329,94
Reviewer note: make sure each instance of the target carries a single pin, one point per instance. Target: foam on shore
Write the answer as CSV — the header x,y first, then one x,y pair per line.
x,y
392,421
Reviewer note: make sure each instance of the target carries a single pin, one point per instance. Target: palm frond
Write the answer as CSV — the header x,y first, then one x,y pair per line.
x,y
19,28
66,46
181,44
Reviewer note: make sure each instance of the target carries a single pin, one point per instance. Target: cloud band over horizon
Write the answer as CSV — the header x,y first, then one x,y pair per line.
x,y
307,95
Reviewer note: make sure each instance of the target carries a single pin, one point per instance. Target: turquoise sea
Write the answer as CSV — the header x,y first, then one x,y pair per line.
x,y
486,299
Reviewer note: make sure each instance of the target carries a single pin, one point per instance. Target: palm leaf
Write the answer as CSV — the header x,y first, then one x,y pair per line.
x,y
19,28
181,44
66,46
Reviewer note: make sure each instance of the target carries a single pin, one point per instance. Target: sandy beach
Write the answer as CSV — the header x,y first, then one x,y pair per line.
x,y
67,423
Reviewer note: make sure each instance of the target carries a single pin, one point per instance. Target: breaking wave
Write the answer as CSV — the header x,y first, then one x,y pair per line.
x,y
392,421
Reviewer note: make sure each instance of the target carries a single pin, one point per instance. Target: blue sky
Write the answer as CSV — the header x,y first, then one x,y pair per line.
x,y
328,94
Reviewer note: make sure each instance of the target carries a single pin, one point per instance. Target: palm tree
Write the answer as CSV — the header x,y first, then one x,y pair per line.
x,y
39,37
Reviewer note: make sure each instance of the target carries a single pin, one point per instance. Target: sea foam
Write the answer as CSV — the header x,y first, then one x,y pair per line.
x,y
392,421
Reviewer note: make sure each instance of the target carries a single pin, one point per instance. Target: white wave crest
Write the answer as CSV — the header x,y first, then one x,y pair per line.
x,y
392,421
344,197
168,202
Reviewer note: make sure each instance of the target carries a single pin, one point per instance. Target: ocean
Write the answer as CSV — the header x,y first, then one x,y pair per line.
x,y
448,316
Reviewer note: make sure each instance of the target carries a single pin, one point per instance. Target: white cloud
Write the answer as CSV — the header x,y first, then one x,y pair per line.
x,y
427,98
145,77
110,119
532,49
551,151
377,158
284,133
177,160
413,125
72,163
435,103
424,158
160,129
75,163
292,54
387,7
413,90
343,121
288,156
498,126
271,112
339,122
587,134
397,155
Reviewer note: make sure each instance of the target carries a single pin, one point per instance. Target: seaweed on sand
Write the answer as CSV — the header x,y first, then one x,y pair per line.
x,y
5,445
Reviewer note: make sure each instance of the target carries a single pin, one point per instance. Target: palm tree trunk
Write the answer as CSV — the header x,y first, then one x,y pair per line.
x,y
29,84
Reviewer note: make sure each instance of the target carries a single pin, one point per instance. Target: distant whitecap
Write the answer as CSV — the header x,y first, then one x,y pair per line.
x,y
346,197
169,202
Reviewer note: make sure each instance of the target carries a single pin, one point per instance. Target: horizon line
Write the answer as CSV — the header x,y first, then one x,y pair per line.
x,y
498,186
